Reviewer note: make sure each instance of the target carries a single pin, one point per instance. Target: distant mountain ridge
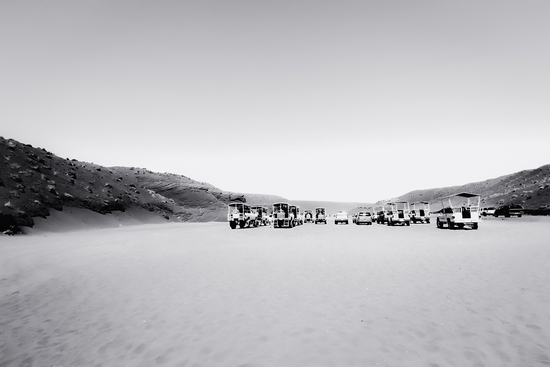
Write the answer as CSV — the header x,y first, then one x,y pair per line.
x,y
33,181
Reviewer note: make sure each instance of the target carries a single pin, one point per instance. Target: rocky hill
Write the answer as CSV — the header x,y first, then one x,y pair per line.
x,y
530,188
33,181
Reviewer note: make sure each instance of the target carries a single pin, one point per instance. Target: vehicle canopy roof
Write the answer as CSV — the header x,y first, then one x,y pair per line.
x,y
284,206
462,194
395,203
259,208
239,204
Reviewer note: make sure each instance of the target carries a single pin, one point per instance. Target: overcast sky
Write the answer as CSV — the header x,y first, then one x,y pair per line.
x,y
311,100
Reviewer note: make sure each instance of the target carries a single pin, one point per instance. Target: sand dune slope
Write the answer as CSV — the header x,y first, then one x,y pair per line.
x,y
318,295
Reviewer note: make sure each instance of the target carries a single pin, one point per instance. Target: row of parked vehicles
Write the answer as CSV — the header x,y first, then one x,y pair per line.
x,y
395,213
243,215
458,211
284,215
504,210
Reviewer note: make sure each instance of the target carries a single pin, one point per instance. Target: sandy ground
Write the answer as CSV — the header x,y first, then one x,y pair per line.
x,y
202,294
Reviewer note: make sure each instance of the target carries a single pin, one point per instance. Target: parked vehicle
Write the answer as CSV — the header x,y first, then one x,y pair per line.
x,y
281,216
420,212
364,218
241,215
399,214
296,215
373,213
262,217
488,211
308,216
382,214
320,215
341,217
459,210
509,211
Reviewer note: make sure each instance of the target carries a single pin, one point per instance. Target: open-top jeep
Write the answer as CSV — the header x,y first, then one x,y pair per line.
x,y
459,210
420,212
320,215
282,217
374,214
399,213
381,214
262,218
296,215
308,216
241,215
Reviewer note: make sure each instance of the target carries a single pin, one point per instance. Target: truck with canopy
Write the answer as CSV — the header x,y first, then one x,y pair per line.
x,y
459,210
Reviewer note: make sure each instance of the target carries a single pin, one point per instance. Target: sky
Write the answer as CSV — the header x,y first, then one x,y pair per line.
x,y
310,100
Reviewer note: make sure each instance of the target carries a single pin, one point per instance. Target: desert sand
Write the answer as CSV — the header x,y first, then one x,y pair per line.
x,y
201,294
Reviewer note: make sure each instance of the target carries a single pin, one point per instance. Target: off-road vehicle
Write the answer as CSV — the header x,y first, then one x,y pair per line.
x,y
399,213
381,214
262,217
296,215
241,215
282,217
420,212
320,215
308,216
459,210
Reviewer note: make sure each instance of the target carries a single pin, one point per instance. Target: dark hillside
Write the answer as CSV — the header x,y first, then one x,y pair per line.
x,y
33,181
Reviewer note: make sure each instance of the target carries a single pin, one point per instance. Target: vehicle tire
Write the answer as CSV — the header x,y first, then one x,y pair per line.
x,y
233,225
428,221
242,224
408,223
450,224
438,223
280,222
475,226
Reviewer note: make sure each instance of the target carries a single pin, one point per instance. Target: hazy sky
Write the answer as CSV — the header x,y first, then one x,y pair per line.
x,y
313,100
